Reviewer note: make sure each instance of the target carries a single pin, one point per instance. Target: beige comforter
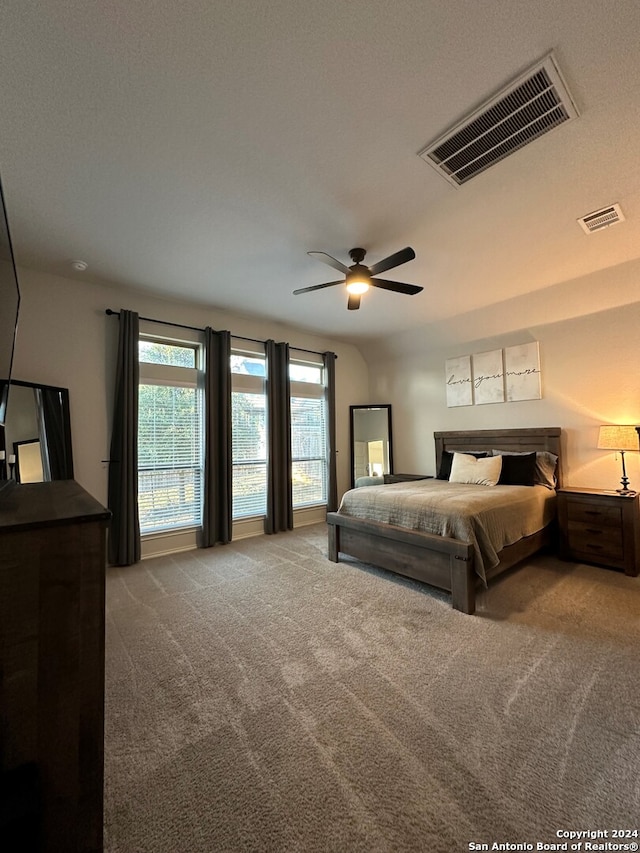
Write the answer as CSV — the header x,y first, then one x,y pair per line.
x,y
489,517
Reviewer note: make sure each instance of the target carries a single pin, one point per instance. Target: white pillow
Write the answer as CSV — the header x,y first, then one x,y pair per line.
x,y
470,469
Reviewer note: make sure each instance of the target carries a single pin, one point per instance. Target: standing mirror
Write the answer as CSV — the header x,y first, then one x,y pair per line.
x,y
37,433
371,446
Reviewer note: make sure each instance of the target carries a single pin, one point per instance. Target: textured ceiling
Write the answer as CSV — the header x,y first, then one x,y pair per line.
x,y
199,149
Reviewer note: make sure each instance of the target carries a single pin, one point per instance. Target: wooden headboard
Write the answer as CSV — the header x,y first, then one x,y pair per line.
x,y
521,440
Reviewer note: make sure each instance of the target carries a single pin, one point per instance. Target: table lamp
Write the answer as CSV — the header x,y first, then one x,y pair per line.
x,y
619,438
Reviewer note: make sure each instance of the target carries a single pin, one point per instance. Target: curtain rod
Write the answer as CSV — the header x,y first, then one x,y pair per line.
x,y
112,313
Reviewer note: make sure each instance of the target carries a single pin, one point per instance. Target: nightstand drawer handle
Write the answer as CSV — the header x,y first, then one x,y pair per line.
x,y
594,530
592,512
594,547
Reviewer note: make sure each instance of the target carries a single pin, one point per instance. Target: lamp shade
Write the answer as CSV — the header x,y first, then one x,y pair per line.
x,y
618,437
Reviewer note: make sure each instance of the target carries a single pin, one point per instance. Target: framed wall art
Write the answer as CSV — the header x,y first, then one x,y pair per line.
x,y
495,376
488,377
522,372
458,381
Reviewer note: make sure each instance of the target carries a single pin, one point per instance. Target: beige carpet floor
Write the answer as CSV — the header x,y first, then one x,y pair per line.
x,y
262,698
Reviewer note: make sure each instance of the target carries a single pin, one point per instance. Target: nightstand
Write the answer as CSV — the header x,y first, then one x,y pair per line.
x,y
600,527
403,478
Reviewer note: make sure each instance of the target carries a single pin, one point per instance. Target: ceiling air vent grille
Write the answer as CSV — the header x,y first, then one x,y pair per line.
x,y
533,104
601,218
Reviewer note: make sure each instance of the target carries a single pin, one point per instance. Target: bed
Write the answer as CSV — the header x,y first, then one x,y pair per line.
x,y
443,561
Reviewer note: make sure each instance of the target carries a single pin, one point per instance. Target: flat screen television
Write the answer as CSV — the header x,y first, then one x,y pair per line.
x,y
9,308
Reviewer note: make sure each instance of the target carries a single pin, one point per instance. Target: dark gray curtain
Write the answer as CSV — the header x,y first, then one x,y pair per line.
x,y
279,497
124,531
217,510
330,381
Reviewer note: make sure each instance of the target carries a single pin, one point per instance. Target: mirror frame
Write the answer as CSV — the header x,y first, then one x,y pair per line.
x,y
66,425
371,406
10,301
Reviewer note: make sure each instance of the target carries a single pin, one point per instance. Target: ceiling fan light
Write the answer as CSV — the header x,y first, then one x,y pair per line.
x,y
357,287
357,283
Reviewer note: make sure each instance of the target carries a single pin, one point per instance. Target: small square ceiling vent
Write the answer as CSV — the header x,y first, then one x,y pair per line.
x,y
527,108
601,218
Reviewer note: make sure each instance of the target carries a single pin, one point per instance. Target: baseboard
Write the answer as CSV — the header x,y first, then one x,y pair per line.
x,y
171,542
309,515
177,541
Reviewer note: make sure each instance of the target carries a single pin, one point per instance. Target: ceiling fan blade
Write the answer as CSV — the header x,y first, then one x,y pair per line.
x,y
327,259
396,286
354,301
394,260
317,287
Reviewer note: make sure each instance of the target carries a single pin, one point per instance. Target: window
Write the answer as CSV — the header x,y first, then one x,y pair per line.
x,y
170,451
159,352
249,433
308,432
171,435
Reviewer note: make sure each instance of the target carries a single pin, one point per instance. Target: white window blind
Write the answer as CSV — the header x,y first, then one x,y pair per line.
x,y
170,442
249,453
308,432
308,451
249,433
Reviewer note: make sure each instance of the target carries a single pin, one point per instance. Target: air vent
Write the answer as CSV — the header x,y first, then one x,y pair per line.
x,y
530,106
601,219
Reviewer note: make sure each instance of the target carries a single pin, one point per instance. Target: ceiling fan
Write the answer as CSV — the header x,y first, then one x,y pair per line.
x,y
359,277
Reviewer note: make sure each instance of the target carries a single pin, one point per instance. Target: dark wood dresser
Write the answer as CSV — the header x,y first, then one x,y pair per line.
x,y
52,586
600,527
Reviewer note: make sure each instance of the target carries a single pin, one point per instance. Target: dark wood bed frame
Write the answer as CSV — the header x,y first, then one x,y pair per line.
x,y
437,560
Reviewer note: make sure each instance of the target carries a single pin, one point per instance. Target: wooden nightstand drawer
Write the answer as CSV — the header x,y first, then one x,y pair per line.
x,y
593,514
600,527
598,541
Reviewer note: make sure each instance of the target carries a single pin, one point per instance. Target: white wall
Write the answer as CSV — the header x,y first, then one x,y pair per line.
x,y
65,338
590,375
590,367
